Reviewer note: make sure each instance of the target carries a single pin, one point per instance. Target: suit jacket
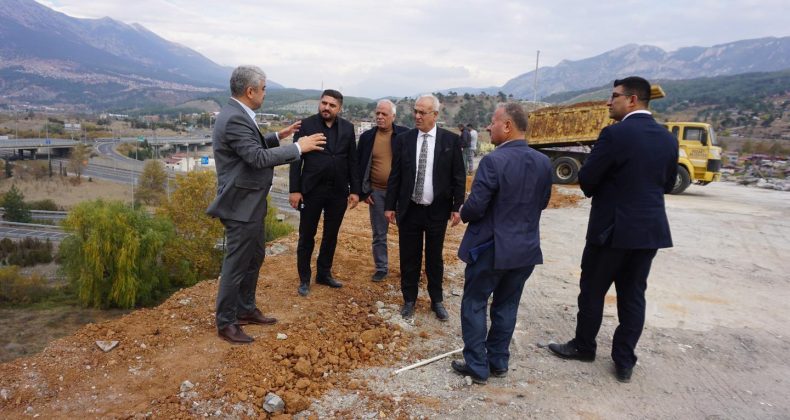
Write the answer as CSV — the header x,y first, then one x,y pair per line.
x,y
511,188
632,165
365,156
336,163
449,175
245,160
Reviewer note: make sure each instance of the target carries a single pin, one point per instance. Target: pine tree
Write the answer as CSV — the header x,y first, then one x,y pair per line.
x,y
16,210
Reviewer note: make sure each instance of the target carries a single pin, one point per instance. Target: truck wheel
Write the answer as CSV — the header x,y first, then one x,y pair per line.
x,y
682,181
566,170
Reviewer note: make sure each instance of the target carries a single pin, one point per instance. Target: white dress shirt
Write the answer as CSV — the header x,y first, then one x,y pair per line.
x,y
251,113
427,189
638,111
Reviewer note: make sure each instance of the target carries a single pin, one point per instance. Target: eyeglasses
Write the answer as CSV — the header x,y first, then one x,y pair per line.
x,y
422,113
616,95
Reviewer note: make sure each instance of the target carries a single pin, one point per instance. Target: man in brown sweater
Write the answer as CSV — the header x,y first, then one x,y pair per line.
x,y
375,160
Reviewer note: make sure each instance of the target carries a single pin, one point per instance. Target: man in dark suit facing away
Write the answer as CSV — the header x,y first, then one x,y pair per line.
x,y
632,165
245,159
425,188
501,245
324,182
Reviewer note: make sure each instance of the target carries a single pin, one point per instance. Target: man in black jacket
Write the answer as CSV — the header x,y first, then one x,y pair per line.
x,y
425,189
324,182
374,153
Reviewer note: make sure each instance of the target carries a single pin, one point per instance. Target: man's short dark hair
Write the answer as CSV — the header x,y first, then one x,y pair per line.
x,y
635,85
471,126
516,113
333,94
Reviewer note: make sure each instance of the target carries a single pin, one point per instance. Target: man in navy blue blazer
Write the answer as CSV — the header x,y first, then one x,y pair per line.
x,y
501,245
632,165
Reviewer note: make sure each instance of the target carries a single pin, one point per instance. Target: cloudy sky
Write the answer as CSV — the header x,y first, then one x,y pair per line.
x,y
377,48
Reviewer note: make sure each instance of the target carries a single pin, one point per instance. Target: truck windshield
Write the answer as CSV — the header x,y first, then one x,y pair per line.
x,y
712,137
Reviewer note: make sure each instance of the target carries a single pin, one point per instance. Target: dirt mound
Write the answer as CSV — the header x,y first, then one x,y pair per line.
x,y
318,341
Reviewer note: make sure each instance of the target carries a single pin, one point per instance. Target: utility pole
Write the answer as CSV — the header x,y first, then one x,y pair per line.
x,y
537,60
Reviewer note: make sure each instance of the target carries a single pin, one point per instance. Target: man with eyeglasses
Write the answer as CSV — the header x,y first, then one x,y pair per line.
x,y
632,165
245,167
425,189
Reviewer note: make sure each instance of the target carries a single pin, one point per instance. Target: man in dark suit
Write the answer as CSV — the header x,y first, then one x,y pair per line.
x,y
426,188
501,245
245,159
374,157
632,165
325,182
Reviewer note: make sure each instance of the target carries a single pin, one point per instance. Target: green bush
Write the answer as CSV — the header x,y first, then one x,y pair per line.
x,y
113,254
274,228
45,204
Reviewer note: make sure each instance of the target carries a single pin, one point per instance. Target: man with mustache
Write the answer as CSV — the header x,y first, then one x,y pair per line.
x,y
325,182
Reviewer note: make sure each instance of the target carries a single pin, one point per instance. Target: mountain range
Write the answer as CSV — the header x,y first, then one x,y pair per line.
x,y
747,56
49,58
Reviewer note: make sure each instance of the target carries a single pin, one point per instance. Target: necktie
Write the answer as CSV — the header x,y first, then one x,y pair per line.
x,y
422,162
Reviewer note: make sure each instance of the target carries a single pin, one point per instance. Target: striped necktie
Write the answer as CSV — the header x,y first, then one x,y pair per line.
x,y
421,164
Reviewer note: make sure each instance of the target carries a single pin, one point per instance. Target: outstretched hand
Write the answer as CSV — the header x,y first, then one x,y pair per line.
x,y
287,131
312,142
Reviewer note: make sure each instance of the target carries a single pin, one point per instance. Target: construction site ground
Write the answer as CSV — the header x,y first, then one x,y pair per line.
x,y
715,343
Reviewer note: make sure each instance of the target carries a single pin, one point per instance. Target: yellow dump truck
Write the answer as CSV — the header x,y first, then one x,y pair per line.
x,y
565,134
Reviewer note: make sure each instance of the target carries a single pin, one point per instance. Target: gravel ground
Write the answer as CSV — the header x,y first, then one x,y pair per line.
x,y
713,347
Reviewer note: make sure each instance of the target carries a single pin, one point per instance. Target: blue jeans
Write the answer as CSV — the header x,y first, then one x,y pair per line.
x,y
379,226
485,350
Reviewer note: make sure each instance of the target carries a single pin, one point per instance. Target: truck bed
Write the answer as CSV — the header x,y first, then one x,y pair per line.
x,y
569,125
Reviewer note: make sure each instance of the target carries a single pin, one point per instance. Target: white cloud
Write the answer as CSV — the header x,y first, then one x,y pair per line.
x,y
403,47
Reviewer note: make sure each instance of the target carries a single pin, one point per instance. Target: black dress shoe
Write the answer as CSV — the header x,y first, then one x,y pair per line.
x,y
462,369
379,276
498,373
255,317
569,351
304,288
407,310
623,374
328,281
234,334
440,312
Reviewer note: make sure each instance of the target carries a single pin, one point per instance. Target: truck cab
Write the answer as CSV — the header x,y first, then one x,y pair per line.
x,y
699,157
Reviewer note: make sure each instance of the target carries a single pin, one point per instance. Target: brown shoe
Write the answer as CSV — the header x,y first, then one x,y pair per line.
x,y
234,334
255,317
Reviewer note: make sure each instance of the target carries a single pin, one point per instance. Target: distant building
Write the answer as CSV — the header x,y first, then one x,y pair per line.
x,y
181,162
363,126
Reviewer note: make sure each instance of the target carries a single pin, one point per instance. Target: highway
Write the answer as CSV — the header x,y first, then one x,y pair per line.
x,y
25,230
109,166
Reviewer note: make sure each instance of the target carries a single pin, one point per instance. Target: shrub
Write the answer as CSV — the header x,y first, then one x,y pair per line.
x,y
46,204
113,254
18,289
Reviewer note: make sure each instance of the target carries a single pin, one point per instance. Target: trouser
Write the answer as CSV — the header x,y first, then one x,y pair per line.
x,y
415,228
468,159
483,352
244,254
628,269
333,206
379,226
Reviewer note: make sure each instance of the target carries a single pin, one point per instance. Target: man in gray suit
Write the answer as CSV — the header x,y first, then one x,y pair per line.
x,y
245,160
